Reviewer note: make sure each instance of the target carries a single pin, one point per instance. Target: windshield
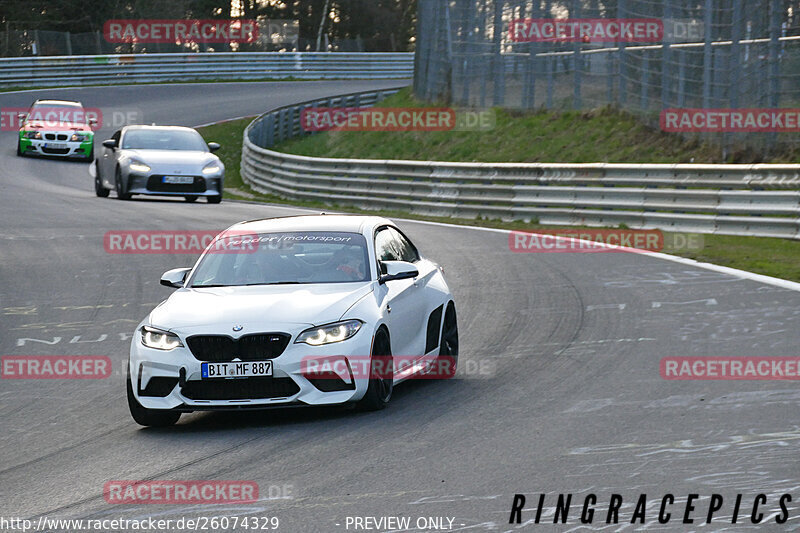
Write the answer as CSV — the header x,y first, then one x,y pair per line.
x,y
155,139
57,113
283,258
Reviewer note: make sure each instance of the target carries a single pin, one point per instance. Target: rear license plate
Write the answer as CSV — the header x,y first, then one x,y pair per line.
x,y
55,145
182,180
236,369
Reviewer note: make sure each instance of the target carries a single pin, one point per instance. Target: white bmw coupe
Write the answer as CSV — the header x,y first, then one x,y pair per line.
x,y
304,310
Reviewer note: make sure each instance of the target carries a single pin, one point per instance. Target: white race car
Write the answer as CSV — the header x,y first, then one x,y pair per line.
x,y
305,310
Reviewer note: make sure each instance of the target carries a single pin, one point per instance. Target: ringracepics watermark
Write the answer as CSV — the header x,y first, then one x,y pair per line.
x,y
530,30
568,508
704,120
730,368
395,119
568,240
55,366
181,31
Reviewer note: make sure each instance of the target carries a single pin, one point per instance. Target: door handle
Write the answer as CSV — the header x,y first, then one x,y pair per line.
x,y
388,309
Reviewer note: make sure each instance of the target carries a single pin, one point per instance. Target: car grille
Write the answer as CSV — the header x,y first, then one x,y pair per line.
x,y
240,389
220,348
61,151
156,183
53,136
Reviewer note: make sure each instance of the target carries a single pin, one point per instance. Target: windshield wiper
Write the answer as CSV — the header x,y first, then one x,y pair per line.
x,y
210,286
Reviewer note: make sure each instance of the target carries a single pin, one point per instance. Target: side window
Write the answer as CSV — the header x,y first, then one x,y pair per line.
x,y
386,246
407,251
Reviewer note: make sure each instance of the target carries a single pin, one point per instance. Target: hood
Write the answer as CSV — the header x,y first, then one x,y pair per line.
x,y
256,308
172,157
56,126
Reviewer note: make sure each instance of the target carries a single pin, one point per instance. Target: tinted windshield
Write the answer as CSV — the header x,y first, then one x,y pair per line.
x,y
163,140
283,258
57,113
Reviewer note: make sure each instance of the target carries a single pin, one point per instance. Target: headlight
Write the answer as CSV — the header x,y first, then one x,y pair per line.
x,y
331,333
160,340
78,137
138,166
211,168
33,134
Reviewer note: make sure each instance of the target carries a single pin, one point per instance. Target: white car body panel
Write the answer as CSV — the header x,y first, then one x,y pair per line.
x,y
402,306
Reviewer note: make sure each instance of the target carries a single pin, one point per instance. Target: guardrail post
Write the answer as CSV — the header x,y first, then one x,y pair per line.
x,y
270,130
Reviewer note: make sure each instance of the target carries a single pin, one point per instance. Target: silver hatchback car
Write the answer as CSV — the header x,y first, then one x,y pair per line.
x,y
159,161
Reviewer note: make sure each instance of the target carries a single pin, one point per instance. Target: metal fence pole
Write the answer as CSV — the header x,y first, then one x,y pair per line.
x,y
498,93
621,95
577,67
666,69
707,65
735,66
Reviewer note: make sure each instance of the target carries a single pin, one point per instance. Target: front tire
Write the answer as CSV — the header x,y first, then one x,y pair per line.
x,y
20,153
121,195
215,199
99,190
149,417
448,349
190,199
381,379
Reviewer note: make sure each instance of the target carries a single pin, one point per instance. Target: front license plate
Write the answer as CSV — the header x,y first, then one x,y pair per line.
x,y
55,145
182,180
236,369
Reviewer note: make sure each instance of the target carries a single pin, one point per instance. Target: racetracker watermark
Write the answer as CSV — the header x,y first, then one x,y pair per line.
x,y
180,492
55,366
365,367
725,120
730,368
567,240
179,242
395,119
586,30
181,31
46,118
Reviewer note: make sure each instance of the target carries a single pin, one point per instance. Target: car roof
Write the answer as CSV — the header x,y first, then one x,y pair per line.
x,y
321,222
158,128
58,102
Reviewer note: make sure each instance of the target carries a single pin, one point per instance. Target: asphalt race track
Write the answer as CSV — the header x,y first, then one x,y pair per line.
x,y
559,389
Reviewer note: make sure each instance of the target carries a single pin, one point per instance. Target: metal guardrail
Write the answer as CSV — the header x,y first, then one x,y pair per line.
x,y
142,68
757,200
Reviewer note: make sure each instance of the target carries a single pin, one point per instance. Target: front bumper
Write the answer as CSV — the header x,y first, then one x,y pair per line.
x,y
57,148
153,185
173,379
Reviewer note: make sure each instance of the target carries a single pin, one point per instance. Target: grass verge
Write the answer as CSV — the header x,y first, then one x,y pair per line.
x,y
772,257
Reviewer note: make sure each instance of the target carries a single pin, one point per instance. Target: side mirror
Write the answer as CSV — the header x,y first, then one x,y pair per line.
x,y
213,146
110,143
21,116
174,278
92,121
392,270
